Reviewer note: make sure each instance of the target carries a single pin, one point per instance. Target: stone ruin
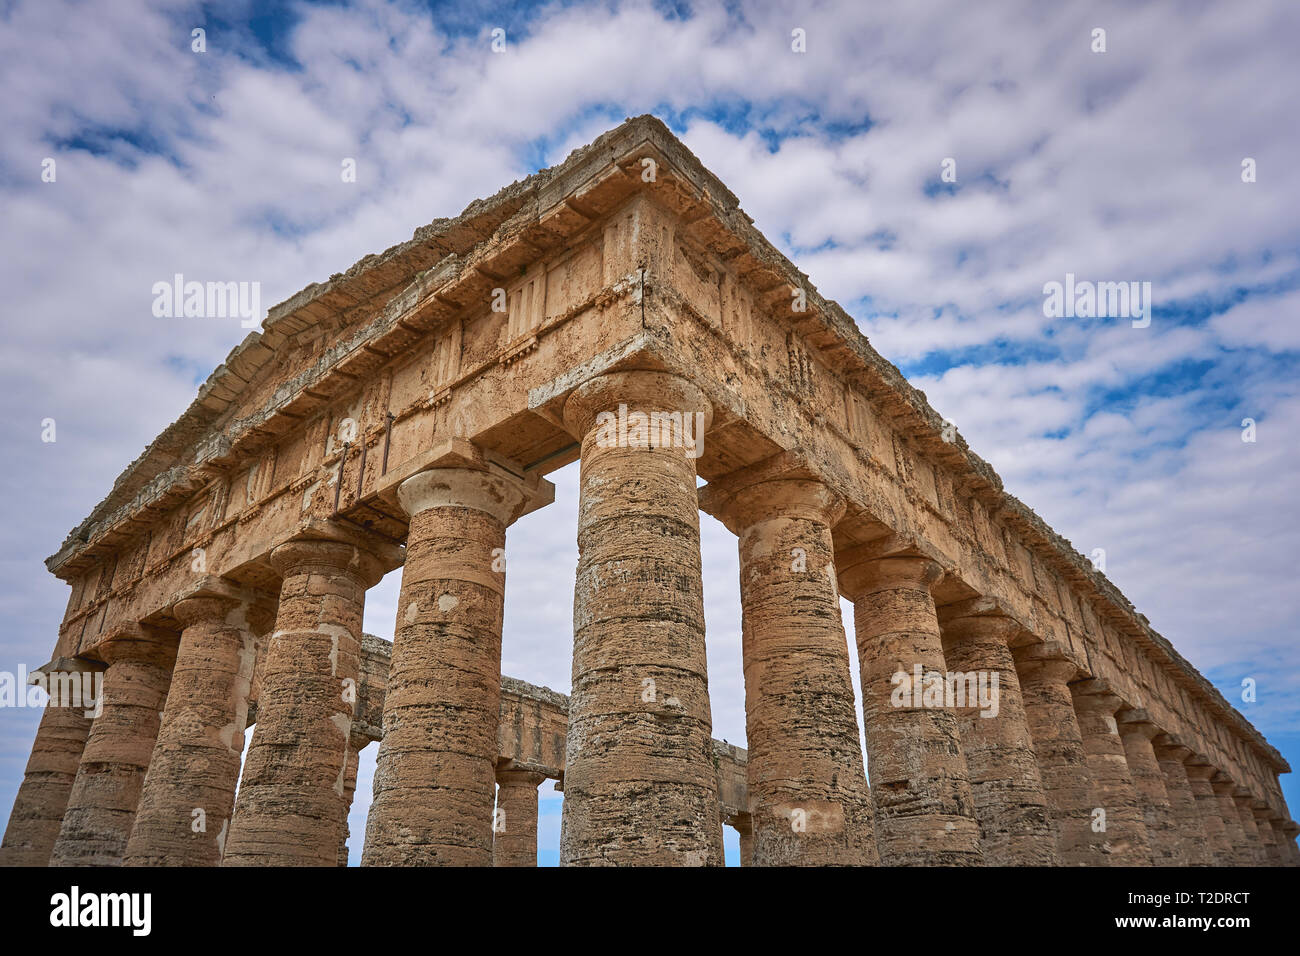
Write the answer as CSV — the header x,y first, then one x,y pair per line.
x,y
618,309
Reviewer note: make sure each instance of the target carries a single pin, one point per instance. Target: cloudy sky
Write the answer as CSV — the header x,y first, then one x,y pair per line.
x,y
1122,165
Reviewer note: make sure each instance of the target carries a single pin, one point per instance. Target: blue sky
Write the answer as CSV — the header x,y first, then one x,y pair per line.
x,y
1115,166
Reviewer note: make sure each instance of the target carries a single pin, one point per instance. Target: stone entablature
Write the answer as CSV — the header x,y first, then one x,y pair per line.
x,y
629,255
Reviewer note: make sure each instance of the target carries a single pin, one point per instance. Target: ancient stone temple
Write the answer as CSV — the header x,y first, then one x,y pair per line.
x,y
619,310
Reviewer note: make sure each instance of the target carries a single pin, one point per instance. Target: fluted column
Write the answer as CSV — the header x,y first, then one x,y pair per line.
x,y
47,782
639,782
1216,835
106,793
1188,827
1045,674
1244,801
514,824
925,811
1239,853
189,791
1010,805
443,699
1137,731
1264,821
1125,833
290,810
808,795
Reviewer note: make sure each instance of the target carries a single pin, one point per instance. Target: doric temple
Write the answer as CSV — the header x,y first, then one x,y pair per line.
x,y
619,310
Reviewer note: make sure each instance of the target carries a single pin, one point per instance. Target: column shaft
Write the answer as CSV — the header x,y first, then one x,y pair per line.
x,y
43,795
1239,853
1216,834
290,810
925,812
1243,801
1058,746
808,795
189,792
1010,805
349,793
104,798
1137,731
1272,852
434,774
639,782
514,825
1125,830
1188,827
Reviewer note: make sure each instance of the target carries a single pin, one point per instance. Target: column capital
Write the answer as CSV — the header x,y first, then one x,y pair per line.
x,y
519,777
914,571
492,491
324,552
637,390
1049,661
203,609
1200,771
1172,747
137,643
1137,721
794,497
1096,696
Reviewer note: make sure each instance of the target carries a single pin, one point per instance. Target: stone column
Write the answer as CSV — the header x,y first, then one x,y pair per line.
x,y
514,825
1244,801
1137,731
349,792
1216,835
1239,853
925,812
1286,839
808,795
1010,805
639,782
43,795
742,823
443,700
1264,821
1190,830
189,792
290,810
102,805
1125,828
1045,673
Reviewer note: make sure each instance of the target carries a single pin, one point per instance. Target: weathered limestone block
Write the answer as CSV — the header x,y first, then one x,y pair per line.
x,y
1239,854
1244,801
1125,828
189,791
1199,773
808,797
1192,838
1045,675
104,798
291,809
1010,805
1137,731
434,775
514,823
925,811
742,823
47,782
639,784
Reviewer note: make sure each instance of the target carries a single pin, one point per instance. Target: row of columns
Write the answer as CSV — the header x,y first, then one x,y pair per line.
x,y
1064,773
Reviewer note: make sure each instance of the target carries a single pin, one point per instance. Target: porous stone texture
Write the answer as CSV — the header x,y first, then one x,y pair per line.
x,y
1045,677
349,792
1010,805
1243,801
434,775
189,791
1136,731
1216,834
1267,836
808,798
1192,837
639,783
1238,852
47,782
514,822
1125,829
106,793
291,808
925,812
